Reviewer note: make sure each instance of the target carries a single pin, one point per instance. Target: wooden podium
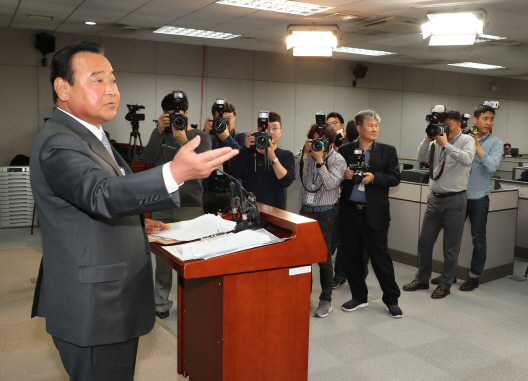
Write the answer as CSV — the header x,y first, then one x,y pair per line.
x,y
246,316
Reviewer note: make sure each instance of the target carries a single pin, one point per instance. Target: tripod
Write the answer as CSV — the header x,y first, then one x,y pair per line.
x,y
135,133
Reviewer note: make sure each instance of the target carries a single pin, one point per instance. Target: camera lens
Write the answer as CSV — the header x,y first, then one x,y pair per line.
x,y
219,125
317,145
178,121
433,130
262,142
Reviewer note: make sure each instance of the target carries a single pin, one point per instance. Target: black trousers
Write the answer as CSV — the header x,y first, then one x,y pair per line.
x,y
356,236
111,362
326,222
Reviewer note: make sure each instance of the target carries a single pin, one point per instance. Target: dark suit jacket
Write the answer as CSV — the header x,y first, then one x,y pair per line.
x,y
95,284
386,169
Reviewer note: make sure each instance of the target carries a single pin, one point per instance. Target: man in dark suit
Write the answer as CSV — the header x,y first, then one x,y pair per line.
x,y
365,216
95,285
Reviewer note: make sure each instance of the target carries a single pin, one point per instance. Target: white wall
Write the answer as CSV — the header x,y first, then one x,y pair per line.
x,y
146,71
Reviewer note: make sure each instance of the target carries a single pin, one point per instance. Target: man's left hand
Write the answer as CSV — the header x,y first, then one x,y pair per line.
x,y
318,156
441,140
271,151
368,177
155,226
179,135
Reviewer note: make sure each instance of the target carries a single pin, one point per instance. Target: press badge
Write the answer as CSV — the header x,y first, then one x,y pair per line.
x,y
218,172
361,187
311,196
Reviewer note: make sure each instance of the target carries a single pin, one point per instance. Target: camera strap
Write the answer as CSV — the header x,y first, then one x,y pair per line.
x,y
301,166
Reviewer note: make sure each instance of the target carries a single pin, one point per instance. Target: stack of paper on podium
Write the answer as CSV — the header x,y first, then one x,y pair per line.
x,y
225,244
200,227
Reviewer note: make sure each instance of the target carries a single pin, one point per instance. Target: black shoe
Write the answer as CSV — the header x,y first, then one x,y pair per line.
x,y
338,282
162,315
470,284
437,280
440,292
415,285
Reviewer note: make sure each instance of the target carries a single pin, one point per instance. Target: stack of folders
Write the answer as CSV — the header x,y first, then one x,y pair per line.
x,y
224,244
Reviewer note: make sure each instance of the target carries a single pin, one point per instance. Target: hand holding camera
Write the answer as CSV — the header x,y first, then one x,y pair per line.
x,y
163,123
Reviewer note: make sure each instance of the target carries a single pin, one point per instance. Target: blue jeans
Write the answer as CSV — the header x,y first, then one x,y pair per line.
x,y
477,211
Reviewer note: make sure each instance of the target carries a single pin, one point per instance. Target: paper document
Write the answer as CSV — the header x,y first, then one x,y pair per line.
x,y
226,244
201,227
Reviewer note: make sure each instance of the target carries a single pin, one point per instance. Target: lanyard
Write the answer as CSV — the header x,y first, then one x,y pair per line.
x,y
482,140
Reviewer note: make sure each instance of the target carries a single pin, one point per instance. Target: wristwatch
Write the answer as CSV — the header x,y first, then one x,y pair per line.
x,y
274,161
319,165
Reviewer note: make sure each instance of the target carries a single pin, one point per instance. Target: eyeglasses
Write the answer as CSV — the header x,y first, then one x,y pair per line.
x,y
334,122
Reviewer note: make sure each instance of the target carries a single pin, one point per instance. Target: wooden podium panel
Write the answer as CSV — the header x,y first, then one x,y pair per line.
x,y
245,316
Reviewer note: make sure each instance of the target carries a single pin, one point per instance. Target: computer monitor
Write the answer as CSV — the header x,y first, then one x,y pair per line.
x,y
515,152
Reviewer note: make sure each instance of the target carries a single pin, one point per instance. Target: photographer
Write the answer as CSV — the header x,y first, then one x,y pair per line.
x,y
338,125
165,141
365,215
267,185
451,155
216,196
321,173
485,163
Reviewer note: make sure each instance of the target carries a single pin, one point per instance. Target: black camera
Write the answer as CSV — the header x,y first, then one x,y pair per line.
x,y
436,120
464,126
262,137
132,115
220,124
320,144
360,167
178,120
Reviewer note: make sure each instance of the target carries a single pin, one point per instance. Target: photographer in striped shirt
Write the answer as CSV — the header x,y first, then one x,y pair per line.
x,y
321,170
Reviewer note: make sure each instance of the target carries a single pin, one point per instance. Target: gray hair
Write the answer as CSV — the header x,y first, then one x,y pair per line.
x,y
366,114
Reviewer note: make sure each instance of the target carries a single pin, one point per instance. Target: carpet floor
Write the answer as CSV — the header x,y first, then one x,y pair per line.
x,y
27,352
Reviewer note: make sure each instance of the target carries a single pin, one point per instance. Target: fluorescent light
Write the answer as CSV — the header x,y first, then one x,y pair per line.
x,y
365,52
283,6
195,33
307,43
459,28
41,17
90,23
473,65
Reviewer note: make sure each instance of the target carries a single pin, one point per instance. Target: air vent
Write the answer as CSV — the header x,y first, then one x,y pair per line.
x,y
395,25
136,27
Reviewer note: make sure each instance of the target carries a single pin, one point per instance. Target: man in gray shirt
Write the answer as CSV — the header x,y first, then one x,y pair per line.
x,y
446,204
165,141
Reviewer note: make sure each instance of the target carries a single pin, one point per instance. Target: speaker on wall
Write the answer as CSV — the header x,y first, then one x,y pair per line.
x,y
45,43
359,71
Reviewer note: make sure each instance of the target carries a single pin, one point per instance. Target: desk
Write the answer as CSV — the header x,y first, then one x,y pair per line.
x,y
408,204
246,315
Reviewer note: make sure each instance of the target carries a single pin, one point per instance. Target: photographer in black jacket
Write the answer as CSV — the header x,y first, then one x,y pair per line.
x,y
267,185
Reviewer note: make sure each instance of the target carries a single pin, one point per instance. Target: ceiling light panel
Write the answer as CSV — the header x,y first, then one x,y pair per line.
x,y
365,52
474,65
283,6
195,33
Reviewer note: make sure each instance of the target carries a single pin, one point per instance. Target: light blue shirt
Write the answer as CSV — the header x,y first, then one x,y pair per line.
x,y
482,169
357,195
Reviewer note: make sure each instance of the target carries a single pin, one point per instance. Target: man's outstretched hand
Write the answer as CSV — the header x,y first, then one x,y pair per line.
x,y
188,165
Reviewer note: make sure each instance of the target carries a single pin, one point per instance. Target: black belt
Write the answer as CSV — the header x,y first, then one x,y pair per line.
x,y
447,194
357,205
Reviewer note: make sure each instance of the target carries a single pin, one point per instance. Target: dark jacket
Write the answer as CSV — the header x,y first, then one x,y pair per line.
x,y
386,169
267,188
95,284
